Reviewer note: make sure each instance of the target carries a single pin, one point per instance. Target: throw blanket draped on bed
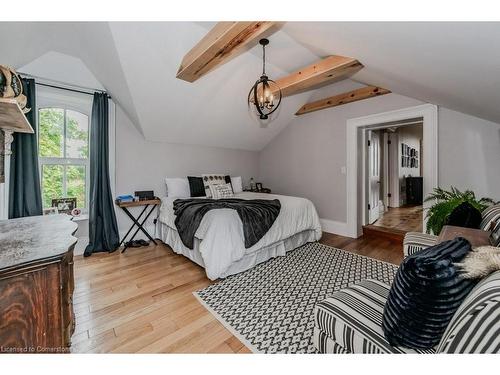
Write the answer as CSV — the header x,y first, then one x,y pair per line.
x,y
257,216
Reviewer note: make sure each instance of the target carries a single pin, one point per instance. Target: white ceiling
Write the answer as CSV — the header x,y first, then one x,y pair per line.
x,y
456,65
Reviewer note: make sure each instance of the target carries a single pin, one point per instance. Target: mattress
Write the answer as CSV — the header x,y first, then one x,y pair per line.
x,y
219,240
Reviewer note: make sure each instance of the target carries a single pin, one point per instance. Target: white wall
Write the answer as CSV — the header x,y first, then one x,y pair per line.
x,y
469,153
307,158
143,165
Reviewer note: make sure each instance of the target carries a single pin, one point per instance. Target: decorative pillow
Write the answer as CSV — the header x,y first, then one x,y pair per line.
x,y
196,187
221,191
426,292
491,215
465,215
495,235
237,184
474,328
212,179
480,262
178,187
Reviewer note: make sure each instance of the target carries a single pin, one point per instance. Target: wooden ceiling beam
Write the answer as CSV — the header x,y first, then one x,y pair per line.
x,y
223,42
347,97
325,71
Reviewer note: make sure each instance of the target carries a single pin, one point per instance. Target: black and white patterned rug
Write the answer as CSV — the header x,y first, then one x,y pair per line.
x,y
270,307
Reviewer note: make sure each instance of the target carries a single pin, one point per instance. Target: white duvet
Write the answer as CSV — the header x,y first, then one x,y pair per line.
x,y
221,230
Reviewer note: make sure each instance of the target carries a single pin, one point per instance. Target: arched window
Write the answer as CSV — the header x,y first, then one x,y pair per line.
x,y
63,148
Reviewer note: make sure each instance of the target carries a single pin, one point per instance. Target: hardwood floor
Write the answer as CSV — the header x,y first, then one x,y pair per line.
x,y
406,218
142,301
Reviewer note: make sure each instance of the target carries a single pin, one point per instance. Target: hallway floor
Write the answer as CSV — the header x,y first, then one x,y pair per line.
x,y
406,218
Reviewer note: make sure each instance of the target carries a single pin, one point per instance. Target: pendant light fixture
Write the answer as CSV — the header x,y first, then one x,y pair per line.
x,y
265,94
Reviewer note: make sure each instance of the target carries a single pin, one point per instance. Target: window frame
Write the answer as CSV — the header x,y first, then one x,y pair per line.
x,y
66,100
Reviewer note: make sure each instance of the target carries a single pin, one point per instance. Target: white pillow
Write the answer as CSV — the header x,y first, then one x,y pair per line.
x,y
221,191
237,184
212,179
178,187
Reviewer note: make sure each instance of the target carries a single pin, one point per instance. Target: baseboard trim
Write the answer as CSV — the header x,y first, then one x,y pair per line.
x,y
335,227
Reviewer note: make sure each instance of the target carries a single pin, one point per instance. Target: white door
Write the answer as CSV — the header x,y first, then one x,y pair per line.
x,y
373,176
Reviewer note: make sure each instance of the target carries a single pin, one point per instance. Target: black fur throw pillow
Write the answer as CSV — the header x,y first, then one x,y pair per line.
x,y
196,187
425,294
465,215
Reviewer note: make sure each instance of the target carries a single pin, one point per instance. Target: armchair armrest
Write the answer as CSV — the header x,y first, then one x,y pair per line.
x,y
415,241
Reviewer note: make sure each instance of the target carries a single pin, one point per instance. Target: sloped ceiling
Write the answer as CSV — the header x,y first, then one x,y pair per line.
x,y
456,65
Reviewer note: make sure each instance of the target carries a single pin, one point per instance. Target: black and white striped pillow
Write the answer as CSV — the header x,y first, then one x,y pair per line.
x,y
475,327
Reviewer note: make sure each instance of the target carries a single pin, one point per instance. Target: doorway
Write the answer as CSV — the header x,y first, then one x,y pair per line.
x,y
394,176
357,168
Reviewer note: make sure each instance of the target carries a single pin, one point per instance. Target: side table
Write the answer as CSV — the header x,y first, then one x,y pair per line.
x,y
136,221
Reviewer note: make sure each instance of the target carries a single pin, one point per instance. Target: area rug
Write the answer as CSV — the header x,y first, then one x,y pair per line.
x,y
270,307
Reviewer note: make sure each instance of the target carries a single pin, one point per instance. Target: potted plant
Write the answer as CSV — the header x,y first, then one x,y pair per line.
x,y
446,202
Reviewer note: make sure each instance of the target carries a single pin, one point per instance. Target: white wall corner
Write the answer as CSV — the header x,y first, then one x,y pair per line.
x,y
335,227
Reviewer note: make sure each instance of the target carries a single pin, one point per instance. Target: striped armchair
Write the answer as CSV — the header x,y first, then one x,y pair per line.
x,y
415,241
350,321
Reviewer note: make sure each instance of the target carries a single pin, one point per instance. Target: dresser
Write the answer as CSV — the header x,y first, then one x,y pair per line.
x,y
36,284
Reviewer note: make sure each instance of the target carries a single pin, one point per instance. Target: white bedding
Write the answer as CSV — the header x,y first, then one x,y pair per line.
x,y
221,231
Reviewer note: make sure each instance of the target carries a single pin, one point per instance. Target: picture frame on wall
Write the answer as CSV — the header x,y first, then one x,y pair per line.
x,y
403,161
416,163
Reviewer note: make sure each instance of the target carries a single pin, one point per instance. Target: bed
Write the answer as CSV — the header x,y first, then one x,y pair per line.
x,y
219,241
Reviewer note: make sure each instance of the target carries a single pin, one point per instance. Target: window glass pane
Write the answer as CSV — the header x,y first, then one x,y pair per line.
x,y
51,128
52,183
77,135
75,184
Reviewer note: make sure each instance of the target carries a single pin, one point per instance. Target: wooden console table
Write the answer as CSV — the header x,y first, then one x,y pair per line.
x,y
476,237
36,284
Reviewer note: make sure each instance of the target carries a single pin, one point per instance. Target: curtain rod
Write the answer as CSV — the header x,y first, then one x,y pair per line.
x,y
62,85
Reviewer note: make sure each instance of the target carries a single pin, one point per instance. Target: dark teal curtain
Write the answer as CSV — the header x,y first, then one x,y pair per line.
x,y
103,229
25,198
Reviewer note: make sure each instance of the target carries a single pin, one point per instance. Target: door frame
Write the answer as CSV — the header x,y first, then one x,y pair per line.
x,y
367,177
356,157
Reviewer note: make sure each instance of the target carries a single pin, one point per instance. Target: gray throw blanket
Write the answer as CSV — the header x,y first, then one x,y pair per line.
x,y
257,216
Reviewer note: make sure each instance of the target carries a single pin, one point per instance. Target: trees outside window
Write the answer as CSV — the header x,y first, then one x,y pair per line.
x,y
63,141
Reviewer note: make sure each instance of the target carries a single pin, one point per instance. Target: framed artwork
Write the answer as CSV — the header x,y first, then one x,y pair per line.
x,y
416,163
403,149
258,186
64,205
50,211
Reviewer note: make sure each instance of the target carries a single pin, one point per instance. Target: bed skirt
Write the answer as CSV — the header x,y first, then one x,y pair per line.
x,y
171,237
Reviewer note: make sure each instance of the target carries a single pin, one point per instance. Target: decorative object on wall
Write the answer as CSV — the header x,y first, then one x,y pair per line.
x,y
2,157
64,205
12,87
265,94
